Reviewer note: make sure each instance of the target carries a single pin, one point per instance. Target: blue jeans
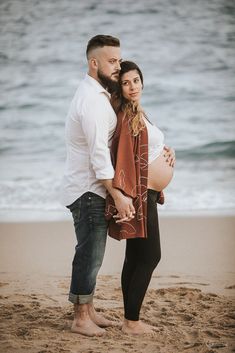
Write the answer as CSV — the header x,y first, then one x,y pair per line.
x,y
91,232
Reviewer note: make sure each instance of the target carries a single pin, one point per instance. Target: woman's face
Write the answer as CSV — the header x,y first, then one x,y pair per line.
x,y
131,86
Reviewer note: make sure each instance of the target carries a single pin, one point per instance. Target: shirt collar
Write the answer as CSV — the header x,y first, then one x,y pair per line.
x,y
97,85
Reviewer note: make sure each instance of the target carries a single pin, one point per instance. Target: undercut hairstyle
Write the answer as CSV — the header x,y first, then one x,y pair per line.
x,y
101,41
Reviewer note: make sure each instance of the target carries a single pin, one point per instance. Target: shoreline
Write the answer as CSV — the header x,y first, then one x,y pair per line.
x,y
24,216
195,249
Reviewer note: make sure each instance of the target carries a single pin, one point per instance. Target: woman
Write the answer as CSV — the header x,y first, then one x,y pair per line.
x,y
142,170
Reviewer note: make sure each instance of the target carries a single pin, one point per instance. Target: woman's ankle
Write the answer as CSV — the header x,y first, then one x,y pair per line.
x,y
131,323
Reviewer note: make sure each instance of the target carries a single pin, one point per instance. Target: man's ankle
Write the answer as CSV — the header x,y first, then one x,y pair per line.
x,y
81,311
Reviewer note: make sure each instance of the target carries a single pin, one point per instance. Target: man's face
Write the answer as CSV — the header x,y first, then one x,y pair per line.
x,y
108,59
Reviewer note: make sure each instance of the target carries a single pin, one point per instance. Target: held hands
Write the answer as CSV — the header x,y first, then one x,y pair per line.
x,y
124,207
170,156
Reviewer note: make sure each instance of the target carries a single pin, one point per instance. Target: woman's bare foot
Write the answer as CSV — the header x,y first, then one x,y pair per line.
x,y
137,328
99,320
83,324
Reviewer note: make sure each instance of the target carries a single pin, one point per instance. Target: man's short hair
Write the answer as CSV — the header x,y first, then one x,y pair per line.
x,y
100,41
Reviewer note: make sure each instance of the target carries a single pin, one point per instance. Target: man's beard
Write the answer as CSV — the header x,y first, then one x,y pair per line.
x,y
107,83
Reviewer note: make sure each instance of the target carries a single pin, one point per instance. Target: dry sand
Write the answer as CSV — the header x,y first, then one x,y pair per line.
x,y
190,300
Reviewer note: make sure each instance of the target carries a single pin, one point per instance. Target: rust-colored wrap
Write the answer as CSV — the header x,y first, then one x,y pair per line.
x,y
130,160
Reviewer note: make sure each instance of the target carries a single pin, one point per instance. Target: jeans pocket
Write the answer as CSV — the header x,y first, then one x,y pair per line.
x,y
75,209
98,212
76,213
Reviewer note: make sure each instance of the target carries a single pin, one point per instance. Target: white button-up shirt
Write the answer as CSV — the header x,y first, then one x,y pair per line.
x,y
90,125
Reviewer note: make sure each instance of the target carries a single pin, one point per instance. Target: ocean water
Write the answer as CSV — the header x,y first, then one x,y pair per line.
x,y
186,50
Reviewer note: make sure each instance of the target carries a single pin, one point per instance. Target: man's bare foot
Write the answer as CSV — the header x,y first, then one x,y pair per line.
x,y
86,327
137,328
99,320
83,324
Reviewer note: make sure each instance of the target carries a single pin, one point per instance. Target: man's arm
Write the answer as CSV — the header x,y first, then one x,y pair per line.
x,y
96,130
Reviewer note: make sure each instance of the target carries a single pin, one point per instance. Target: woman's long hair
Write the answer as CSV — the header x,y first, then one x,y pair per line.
x,y
132,110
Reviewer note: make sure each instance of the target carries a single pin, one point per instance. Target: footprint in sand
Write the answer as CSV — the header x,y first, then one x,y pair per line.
x,y
212,333
2,284
192,339
186,317
216,345
22,332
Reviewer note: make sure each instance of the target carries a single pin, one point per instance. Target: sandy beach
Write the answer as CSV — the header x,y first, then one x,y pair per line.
x,y
190,300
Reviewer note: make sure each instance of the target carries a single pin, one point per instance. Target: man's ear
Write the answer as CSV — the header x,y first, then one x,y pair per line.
x,y
93,63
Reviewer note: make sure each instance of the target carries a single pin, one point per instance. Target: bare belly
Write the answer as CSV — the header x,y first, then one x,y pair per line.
x,y
159,173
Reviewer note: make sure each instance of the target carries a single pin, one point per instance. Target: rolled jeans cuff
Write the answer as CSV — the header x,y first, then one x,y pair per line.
x,y
81,299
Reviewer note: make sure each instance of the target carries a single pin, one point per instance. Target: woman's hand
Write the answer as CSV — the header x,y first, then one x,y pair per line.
x,y
119,219
170,155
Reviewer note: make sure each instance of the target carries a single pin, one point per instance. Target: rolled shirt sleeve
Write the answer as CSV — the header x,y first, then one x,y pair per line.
x,y
95,125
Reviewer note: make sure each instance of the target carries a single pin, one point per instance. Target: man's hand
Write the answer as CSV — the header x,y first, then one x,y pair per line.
x,y
124,207
170,156
123,204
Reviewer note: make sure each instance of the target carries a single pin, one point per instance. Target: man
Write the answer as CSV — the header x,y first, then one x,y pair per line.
x,y
88,174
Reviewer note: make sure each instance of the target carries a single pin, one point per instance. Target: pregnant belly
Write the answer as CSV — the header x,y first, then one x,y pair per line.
x,y
159,173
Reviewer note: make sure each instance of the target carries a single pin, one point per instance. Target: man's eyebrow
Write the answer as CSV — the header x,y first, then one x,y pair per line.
x,y
115,59
119,60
